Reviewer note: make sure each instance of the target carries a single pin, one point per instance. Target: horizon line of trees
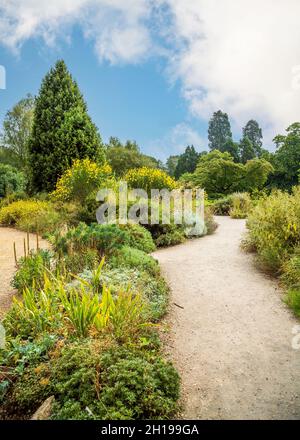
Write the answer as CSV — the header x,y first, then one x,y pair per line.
x,y
42,136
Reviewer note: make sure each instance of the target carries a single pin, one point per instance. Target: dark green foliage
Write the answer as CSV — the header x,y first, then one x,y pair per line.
x,y
219,131
125,157
232,148
166,235
138,237
247,151
287,157
11,180
31,270
222,206
171,165
62,130
187,162
118,384
104,238
253,132
18,358
137,386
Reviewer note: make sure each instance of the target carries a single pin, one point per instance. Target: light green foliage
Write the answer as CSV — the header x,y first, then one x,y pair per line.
x,y
31,215
11,180
83,178
17,128
218,174
274,227
241,205
31,270
134,258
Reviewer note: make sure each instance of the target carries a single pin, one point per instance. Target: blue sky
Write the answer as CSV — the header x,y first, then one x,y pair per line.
x,y
130,101
156,70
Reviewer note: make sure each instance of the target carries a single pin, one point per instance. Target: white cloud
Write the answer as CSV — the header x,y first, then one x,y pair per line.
x,y
117,28
233,55
175,141
238,56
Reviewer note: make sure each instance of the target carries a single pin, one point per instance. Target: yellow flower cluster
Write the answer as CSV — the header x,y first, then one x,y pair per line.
x,y
21,210
80,180
149,178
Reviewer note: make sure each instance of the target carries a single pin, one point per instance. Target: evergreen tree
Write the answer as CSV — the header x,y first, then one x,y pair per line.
x,y
171,164
247,151
232,148
187,162
219,131
254,133
62,129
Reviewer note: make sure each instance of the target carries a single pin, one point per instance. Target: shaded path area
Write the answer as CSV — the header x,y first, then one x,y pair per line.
x,y
232,341
7,262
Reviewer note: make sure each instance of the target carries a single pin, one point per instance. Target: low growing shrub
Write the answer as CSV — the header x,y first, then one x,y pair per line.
x,y
31,215
135,259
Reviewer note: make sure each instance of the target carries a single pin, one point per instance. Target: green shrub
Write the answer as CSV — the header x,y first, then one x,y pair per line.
x,y
138,237
31,270
134,258
31,215
115,384
82,178
293,300
149,178
166,235
104,238
222,206
241,205
274,228
154,289
78,262
291,270
11,180
210,223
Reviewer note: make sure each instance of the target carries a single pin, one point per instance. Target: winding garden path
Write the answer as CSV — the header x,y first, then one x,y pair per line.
x,y
232,340
7,261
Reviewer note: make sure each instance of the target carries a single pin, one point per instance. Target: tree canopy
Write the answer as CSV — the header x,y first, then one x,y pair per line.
x,y
187,162
62,129
219,131
253,132
17,127
125,157
218,174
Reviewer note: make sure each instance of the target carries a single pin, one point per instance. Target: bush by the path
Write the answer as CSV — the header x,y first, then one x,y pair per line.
x,y
31,215
274,232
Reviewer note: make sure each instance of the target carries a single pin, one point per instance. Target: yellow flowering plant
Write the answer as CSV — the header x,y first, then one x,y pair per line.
x,y
82,179
149,178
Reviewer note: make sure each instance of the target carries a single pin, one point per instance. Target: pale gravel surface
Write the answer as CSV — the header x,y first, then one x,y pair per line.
x,y
7,262
232,341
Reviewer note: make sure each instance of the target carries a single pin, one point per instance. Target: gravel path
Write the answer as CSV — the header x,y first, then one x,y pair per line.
x,y
7,262
232,341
